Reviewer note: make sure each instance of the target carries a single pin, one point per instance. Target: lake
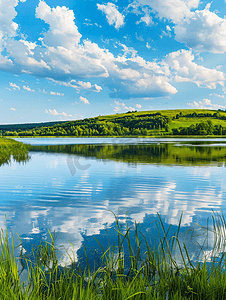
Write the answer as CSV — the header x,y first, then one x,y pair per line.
x,y
72,186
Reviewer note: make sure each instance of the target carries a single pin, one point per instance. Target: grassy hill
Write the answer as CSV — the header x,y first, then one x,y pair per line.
x,y
142,123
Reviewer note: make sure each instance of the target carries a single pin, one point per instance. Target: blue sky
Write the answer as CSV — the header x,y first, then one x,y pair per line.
x,y
66,60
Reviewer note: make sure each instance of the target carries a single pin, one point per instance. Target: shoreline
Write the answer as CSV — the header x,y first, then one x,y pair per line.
x,y
129,136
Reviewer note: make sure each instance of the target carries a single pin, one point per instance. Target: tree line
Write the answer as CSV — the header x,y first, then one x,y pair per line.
x,y
121,126
130,124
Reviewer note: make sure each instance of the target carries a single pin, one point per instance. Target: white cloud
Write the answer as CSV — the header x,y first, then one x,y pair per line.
x,y
203,31
117,109
174,10
80,85
14,86
12,108
127,75
139,38
138,105
64,58
54,112
84,100
7,14
147,19
56,94
30,46
63,31
148,45
121,106
205,104
156,86
98,88
27,88
132,77
186,70
114,17
219,96
8,30
43,91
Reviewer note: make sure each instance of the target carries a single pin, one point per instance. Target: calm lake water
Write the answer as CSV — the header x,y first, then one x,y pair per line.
x,y
72,186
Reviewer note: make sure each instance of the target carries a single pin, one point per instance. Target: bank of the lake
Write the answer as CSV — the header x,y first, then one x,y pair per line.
x,y
11,148
157,273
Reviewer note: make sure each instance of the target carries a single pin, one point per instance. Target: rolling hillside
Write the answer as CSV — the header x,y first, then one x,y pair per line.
x,y
179,122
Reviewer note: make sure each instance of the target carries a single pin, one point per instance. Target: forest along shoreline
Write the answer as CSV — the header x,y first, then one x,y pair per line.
x,y
167,123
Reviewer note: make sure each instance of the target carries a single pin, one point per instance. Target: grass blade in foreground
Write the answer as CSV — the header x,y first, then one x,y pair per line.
x,y
136,274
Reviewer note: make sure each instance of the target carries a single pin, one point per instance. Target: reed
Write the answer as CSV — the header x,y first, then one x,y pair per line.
x,y
11,149
125,272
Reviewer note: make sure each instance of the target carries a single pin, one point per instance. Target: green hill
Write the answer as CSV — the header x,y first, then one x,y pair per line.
x,y
143,123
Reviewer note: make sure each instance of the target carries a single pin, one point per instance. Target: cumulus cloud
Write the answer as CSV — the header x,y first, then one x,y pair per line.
x,y
203,31
121,106
114,17
60,56
84,100
98,88
56,94
205,104
219,96
54,112
14,86
186,70
147,19
27,88
63,57
132,77
8,30
7,14
80,85
174,10
63,31
138,105
12,108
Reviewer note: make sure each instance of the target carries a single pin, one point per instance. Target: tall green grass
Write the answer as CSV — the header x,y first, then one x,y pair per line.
x,y
134,274
11,148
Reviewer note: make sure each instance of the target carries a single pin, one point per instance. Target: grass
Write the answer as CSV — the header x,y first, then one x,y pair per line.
x,y
11,148
167,112
177,116
186,122
152,274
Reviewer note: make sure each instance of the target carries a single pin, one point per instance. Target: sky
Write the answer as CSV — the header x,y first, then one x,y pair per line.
x,y
74,59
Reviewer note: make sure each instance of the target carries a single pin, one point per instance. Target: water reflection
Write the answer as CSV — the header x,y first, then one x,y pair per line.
x,y
17,155
171,154
138,179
